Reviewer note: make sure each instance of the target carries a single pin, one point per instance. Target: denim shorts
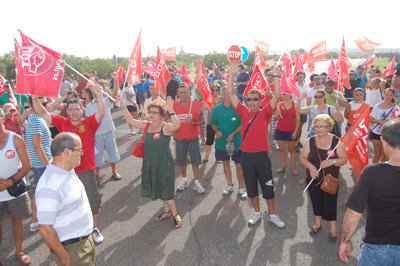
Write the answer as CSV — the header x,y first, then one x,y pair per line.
x,y
191,146
37,173
105,142
372,255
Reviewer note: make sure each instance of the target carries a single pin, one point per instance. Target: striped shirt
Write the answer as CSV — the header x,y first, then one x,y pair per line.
x,y
62,202
37,126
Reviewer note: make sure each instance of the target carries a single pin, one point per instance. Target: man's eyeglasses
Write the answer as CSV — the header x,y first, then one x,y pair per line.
x,y
317,78
77,150
254,99
318,97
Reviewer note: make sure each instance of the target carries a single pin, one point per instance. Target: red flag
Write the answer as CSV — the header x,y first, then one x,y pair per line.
x,y
162,75
202,84
2,85
288,85
317,53
215,66
169,54
297,67
257,81
365,45
135,63
310,67
120,72
389,70
369,62
343,72
396,113
304,57
40,69
12,99
356,141
259,60
263,46
185,75
287,65
150,67
17,47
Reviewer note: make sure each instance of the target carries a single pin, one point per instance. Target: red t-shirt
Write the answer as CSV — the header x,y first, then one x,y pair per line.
x,y
285,122
86,130
256,139
186,130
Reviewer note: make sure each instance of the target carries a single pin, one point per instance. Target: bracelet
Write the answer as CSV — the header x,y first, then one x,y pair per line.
x,y
171,114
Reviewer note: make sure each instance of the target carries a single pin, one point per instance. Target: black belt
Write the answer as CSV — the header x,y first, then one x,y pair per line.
x,y
74,240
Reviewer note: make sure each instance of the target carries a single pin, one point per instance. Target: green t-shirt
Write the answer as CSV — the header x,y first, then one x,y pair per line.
x,y
227,121
332,101
21,98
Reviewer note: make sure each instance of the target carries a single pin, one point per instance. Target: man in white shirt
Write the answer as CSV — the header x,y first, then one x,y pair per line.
x,y
303,88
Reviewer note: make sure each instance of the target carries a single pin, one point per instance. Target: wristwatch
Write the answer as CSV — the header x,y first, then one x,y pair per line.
x,y
171,114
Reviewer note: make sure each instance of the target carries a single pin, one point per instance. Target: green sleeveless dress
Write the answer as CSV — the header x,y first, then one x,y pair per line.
x,y
158,169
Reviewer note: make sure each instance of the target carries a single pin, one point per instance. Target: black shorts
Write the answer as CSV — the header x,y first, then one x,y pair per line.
x,y
257,167
210,135
303,118
131,108
283,135
373,136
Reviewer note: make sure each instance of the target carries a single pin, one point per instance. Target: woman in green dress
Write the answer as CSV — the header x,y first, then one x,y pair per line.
x,y
158,170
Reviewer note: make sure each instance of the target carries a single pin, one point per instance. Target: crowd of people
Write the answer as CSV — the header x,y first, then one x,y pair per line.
x,y
63,142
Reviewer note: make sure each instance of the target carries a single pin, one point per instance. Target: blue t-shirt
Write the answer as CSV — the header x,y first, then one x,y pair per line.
x,y
37,126
363,81
242,77
145,88
178,79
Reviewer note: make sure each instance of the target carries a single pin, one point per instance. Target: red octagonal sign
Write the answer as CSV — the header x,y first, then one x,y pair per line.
x,y
234,53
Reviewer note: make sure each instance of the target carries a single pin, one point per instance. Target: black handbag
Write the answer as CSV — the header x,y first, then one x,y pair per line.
x,y
18,188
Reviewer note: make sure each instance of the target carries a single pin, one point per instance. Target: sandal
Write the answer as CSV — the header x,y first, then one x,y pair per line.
x,y
23,258
116,176
280,170
295,173
332,237
302,181
178,223
163,216
314,230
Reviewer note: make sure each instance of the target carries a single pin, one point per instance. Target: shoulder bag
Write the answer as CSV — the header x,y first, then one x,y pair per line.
x,y
139,149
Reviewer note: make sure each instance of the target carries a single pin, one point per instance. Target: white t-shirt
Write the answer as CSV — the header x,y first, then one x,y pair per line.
x,y
375,97
302,89
381,114
131,93
312,91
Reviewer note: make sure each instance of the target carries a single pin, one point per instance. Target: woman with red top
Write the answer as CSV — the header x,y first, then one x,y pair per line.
x,y
12,118
355,108
288,116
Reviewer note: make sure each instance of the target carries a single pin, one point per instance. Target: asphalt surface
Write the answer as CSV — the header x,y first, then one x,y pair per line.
x,y
214,231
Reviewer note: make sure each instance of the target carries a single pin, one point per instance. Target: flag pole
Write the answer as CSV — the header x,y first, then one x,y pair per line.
x,y
280,57
88,80
329,155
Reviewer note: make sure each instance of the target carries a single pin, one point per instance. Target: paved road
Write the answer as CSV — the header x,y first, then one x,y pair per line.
x,y
214,231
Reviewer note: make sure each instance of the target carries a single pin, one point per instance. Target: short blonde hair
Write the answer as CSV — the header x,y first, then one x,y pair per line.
x,y
323,118
6,108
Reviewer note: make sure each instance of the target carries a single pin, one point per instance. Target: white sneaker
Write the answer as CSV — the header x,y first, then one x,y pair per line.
x,y
227,190
276,146
33,227
276,220
255,218
199,188
133,132
243,193
183,185
97,236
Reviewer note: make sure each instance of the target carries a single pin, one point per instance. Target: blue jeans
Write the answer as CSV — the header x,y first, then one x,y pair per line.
x,y
385,255
37,173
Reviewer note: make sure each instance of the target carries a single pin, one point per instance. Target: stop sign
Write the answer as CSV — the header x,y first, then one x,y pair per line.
x,y
234,53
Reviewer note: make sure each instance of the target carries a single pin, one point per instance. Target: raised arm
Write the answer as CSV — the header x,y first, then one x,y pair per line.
x,y
56,104
338,116
115,85
133,122
40,109
277,86
233,70
175,124
101,108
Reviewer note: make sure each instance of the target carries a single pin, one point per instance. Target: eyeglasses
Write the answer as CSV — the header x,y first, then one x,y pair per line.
x,y
254,99
318,97
77,150
12,110
351,74
215,90
153,112
317,78
270,75
321,127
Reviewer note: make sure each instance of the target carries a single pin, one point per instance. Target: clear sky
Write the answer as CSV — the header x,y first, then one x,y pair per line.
x,y
104,28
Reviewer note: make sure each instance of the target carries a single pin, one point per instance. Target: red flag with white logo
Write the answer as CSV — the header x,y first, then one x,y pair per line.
x,y
365,45
150,67
389,70
202,84
333,75
120,73
40,69
257,81
135,63
356,141
17,47
2,85
262,46
162,75
310,67
343,70
169,54
317,53
185,75
288,85
259,60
